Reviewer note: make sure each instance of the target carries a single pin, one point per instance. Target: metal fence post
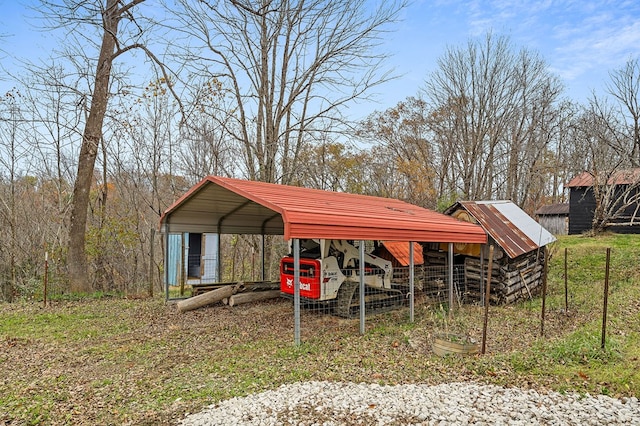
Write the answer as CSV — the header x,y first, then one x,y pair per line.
x,y
451,302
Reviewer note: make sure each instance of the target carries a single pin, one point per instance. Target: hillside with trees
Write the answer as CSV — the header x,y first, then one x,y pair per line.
x,y
140,102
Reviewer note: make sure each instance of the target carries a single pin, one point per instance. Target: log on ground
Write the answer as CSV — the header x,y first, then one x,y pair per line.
x,y
253,296
209,297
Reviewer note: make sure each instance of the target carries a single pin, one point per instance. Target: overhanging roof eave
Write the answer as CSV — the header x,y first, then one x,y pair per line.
x,y
472,234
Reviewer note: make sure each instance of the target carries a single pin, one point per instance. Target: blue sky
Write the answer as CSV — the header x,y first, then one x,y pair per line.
x,y
582,40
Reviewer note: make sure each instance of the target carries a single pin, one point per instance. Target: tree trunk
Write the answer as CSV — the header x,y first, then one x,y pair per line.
x,y
92,135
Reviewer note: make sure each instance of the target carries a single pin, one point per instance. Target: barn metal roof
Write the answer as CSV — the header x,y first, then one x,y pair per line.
x,y
618,177
234,206
514,230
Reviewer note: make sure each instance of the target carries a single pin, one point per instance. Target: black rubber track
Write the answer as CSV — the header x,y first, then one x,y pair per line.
x,y
348,300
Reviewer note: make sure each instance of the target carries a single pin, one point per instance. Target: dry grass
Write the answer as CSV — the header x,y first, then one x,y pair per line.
x,y
115,361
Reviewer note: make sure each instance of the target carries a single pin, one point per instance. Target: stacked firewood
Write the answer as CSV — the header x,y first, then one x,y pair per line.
x,y
511,279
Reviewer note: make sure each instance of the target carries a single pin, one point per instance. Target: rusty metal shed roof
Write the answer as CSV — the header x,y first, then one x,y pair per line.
x,y
514,230
234,206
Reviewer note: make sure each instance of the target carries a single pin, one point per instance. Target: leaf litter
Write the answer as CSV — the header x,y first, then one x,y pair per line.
x,y
145,363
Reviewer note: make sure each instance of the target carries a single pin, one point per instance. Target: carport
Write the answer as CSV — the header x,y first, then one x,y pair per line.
x,y
224,205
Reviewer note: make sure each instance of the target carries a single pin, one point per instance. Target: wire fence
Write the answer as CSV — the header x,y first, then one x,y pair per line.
x,y
594,305
436,288
432,289
48,282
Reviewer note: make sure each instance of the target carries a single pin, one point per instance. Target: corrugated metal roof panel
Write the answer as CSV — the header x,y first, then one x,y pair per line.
x,y
553,209
226,205
514,230
400,250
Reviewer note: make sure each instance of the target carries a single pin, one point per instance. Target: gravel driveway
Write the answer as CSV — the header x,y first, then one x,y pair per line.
x,y
328,403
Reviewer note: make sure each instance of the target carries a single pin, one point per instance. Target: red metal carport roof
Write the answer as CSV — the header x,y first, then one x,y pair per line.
x,y
234,206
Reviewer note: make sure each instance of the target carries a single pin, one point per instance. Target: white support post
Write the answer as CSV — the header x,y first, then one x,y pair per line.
x,y
165,235
263,273
451,295
219,263
482,277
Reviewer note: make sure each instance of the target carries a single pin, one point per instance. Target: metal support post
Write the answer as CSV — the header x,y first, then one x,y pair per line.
x,y
362,313
296,291
411,282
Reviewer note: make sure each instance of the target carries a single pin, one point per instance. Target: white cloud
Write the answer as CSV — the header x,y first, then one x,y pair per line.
x,y
602,40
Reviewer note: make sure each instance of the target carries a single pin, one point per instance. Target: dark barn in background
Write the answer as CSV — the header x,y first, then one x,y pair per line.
x,y
621,187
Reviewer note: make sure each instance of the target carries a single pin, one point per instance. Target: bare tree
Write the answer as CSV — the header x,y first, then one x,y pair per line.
x,y
624,88
144,145
530,130
112,29
55,120
11,152
565,154
206,147
493,115
403,137
617,194
292,66
609,130
333,166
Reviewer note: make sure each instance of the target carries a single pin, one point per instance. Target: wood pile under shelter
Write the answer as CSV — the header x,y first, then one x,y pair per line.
x,y
511,279
519,252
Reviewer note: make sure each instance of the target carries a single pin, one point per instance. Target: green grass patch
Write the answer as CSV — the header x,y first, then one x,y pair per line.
x,y
580,348
53,325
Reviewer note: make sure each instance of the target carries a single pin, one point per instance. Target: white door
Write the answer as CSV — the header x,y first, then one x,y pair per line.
x,y
210,257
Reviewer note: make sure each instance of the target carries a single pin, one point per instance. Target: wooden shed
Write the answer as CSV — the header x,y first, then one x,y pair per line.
x,y
554,218
519,251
